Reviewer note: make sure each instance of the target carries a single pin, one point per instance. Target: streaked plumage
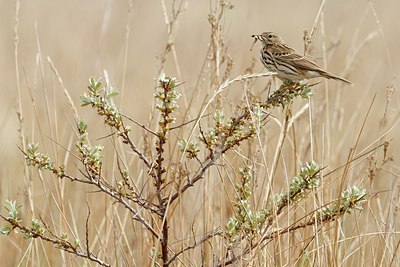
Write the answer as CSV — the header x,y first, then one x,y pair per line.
x,y
287,62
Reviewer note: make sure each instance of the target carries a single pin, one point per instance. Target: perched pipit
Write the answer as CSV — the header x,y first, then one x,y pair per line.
x,y
287,62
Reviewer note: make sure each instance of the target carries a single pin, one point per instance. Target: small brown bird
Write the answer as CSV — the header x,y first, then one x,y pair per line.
x,y
287,62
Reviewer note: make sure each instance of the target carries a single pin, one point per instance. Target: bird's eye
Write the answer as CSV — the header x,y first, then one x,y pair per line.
x,y
270,36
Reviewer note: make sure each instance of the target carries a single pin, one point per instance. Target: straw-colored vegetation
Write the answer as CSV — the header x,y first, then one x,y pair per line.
x,y
186,152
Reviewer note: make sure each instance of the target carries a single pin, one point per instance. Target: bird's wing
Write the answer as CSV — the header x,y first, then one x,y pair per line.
x,y
293,57
303,65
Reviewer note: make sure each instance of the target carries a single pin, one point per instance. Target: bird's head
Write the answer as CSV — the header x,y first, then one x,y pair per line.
x,y
267,38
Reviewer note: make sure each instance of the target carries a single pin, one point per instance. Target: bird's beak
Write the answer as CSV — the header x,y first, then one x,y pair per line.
x,y
256,37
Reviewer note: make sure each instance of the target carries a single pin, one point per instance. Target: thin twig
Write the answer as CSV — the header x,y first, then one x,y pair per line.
x,y
196,244
139,124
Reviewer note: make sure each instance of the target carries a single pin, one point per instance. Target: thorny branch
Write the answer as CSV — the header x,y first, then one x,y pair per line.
x,y
58,242
282,97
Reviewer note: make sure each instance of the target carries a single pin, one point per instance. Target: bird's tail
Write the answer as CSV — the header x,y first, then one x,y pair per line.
x,y
331,76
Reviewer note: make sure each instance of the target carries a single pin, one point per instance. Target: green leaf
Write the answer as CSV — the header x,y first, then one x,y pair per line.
x,y
6,230
110,92
86,100
182,144
82,127
32,149
306,92
13,209
94,86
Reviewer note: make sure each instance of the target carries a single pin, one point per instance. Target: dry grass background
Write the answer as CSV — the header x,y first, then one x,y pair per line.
x,y
126,39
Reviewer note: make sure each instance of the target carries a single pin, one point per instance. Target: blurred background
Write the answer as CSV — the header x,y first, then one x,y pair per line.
x,y
358,40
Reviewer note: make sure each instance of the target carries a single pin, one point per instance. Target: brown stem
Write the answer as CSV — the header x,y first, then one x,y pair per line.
x,y
164,242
